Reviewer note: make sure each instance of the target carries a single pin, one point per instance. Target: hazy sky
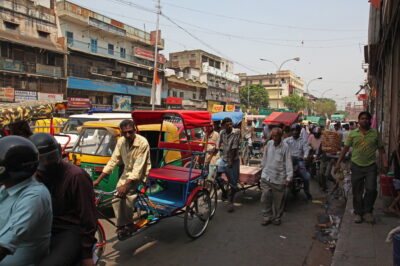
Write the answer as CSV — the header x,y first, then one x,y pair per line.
x,y
328,36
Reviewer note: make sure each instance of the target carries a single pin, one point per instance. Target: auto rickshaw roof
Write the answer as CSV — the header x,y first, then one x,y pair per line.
x,y
191,119
167,126
30,110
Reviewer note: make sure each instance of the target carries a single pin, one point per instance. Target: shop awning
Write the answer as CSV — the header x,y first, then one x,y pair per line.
x,y
281,118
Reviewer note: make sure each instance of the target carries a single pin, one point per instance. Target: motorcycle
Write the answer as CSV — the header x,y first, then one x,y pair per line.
x,y
297,183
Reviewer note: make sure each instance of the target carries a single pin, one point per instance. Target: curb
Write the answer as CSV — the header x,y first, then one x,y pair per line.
x,y
340,255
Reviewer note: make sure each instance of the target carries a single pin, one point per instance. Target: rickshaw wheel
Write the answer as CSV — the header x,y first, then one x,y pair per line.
x,y
197,214
101,241
212,189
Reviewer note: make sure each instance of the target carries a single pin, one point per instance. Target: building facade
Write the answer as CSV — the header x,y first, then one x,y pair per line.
x,y
216,72
32,60
278,85
109,63
382,54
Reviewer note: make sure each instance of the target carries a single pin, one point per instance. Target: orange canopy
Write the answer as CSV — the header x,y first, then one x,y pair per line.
x,y
281,118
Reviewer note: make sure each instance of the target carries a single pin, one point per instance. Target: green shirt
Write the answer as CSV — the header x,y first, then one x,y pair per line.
x,y
364,146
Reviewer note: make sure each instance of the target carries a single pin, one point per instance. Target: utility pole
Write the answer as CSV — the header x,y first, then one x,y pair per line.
x,y
153,86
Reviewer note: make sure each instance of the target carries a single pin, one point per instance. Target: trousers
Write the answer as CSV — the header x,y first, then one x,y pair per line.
x,y
124,207
65,248
272,200
364,183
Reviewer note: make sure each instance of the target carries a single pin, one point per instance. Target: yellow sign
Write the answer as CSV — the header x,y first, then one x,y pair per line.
x,y
217,108
230,108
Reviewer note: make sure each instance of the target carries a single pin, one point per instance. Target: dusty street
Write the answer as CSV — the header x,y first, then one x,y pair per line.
x,y
231,239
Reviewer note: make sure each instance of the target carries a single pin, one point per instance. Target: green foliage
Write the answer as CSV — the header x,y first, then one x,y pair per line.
x,y
258,96
325,106
295,102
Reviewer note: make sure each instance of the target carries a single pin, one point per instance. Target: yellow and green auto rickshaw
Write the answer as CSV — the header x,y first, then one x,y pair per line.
x,y
97,140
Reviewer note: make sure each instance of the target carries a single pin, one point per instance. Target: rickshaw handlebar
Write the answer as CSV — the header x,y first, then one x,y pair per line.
x,y
98,192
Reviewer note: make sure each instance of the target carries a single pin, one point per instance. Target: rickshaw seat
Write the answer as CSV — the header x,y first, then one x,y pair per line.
x,y
176,175
180,168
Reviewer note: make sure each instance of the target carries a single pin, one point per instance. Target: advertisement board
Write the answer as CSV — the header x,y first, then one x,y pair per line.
x,y
230,108
139,52
6,94
50,96
122,103
79,103
217,108
173,100
22,96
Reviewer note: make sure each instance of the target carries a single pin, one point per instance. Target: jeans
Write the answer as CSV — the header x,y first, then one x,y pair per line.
x,y
305,175
364,183
233,174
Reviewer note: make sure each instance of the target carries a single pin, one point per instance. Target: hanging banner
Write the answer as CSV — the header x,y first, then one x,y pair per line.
x,y
6,94
22,96
79,103
139,52
362,97
122,103
230,108
50,96
173,100
217,108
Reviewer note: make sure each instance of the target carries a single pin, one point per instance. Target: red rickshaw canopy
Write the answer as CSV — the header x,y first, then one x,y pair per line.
x,y
281,118
190,119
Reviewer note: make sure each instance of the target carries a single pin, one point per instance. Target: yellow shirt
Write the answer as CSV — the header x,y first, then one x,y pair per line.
x,y
213,139
136,159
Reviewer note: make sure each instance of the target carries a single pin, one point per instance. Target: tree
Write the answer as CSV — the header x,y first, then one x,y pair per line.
x,y
325,106
258,96
295,102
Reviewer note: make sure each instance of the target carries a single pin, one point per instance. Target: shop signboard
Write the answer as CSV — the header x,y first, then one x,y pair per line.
x,y
217,108
6,94
79,103
122,103
50,96
173,100
362,97
22,96
230,108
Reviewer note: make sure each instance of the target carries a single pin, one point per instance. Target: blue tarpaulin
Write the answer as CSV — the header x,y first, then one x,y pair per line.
x,y
235,116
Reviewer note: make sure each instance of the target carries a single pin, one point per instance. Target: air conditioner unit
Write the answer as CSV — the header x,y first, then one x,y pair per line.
x,y
123,75
108,72
136,77
93,69
144,79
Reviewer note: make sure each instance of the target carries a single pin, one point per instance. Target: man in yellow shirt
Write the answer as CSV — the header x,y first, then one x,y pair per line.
x,y
134,152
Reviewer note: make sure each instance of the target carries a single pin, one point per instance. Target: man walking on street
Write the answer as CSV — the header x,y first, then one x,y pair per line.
x,y
299,150
212,151
134,151
229,163
277,173
364,141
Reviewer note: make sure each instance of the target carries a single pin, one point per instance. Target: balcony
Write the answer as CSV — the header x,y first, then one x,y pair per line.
x,y
29,67
77,14
103,51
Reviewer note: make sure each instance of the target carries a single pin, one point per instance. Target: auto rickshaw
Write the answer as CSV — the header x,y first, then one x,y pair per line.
x,y
97,140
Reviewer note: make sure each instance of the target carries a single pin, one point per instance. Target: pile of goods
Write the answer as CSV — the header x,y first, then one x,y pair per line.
x,y
331,142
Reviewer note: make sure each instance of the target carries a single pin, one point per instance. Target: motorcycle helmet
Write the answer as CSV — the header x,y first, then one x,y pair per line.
x,y
19,158
49,150
295,127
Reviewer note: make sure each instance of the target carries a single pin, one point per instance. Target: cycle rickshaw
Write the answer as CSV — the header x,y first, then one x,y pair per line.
x,y
183,190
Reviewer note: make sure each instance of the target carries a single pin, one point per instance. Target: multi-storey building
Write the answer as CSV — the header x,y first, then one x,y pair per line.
x,y
216,72
278,85
32,61
109,62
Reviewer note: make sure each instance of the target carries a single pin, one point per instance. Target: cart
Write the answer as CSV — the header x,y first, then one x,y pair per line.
x,y
170,190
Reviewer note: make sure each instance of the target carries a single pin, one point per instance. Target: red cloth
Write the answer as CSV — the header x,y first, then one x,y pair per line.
x,y
376,3
191,119
281,118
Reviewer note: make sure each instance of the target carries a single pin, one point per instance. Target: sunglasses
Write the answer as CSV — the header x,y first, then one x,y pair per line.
x,y
130,132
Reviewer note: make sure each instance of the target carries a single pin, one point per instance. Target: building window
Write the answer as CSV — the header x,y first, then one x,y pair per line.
x,y
192,55
43,34
70,37
181,94
194,96
270,81
111,49
10,25
93,45
122,52
260,81
174,94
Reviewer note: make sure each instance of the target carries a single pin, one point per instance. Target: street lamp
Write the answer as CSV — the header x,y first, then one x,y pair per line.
x,y
279,67
322,95
308,83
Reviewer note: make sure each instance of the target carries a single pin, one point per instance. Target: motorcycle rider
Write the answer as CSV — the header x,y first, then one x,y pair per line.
x,y
299,150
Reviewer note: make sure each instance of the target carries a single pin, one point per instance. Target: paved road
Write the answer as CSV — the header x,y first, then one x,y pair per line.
x,y
231,239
